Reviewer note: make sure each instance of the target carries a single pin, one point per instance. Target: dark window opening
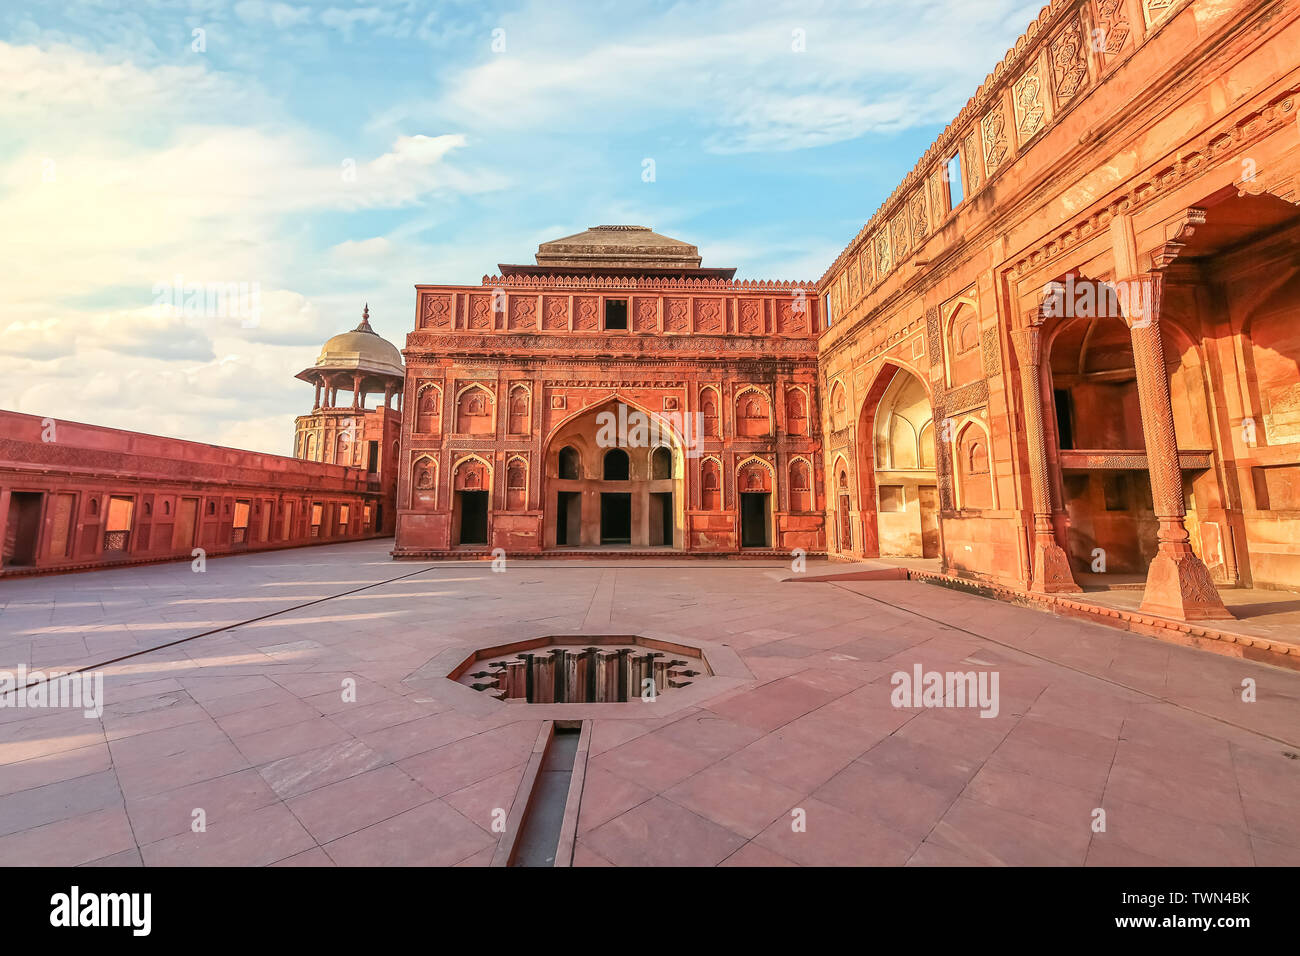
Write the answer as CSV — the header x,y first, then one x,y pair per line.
x,y
22,527
568,518
661,464
617,465
569,463
1115,490
372,458
1064,418
473,507
615,518
753,519
616,313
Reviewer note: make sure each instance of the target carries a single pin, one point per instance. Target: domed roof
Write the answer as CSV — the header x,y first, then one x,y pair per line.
x,y
361,350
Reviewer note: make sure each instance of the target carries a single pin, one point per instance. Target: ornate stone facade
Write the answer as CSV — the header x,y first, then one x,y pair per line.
x,y
632,321
1134,351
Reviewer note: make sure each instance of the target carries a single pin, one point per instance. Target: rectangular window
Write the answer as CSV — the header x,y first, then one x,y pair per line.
x,y
117,529
1115,490
616,313
317,512
343,517
372,458
892,498
952,173
239,527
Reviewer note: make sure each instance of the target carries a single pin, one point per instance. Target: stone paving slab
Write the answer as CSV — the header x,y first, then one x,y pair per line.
x,y
295,736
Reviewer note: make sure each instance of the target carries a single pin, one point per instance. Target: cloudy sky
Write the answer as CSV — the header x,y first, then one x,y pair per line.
x,y
328,154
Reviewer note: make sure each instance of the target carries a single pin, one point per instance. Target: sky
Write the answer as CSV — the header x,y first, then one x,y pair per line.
x,y
316,156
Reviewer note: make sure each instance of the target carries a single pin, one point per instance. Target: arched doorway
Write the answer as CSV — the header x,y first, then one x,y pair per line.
x,y
897,477
614,477
471,491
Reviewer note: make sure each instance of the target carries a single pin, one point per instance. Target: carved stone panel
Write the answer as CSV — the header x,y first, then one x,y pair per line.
x,y
1027,98
1069,62
994,130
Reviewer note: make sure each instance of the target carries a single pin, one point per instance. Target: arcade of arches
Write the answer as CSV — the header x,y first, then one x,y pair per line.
x,y
1095,379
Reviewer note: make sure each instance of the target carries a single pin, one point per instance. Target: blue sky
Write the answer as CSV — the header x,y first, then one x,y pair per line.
x,y
333,153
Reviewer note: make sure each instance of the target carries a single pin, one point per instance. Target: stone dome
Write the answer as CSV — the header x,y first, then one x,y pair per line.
x,y
360,350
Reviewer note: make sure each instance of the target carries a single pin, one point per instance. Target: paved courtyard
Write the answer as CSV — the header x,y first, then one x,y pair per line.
x,y
223,695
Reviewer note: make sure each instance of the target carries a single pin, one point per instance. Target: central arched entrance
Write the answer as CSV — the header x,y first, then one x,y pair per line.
x,y
614,479
898,486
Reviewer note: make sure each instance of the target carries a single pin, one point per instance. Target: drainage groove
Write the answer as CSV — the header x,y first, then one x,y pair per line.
x,y
539,842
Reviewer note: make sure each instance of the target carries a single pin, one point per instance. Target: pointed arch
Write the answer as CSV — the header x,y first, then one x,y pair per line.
x,y
753,407
428,408
516,483
972,456
460,475
475,410
710,403
424,482
519,409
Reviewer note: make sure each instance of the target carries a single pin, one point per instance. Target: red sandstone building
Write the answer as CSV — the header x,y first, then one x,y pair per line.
x,y
75,496
361,363
508,382
980,411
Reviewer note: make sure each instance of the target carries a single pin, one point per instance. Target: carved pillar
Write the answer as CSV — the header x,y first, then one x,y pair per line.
x,y
1051,567
318,388
1178,583
356,391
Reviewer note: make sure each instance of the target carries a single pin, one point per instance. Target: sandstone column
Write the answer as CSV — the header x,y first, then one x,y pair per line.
x,y
1051,567
1178,583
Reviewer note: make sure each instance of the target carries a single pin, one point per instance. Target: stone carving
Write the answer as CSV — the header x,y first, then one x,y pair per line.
x,y
585,313
995,139
480,311
970,151
902,236
1156,10
1069,65
1111,18
647,315
920,219
708,316
523,313
436,313
555,313
1027,98
751,322
675,311
992,353
884,258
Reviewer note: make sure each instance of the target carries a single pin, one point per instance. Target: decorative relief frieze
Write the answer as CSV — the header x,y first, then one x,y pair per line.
x,y
435,312
992,353
1069,62
994,131
974,165
606,345
1027,99
920,219
1188,163
1111,27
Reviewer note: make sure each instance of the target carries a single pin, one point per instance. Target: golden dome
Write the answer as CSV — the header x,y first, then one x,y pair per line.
x,y
361,350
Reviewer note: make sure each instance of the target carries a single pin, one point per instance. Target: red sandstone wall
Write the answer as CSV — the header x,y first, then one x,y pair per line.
x,y
58,480
535,350
1171,149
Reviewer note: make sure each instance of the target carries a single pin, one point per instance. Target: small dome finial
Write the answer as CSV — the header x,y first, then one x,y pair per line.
x,y
365,321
